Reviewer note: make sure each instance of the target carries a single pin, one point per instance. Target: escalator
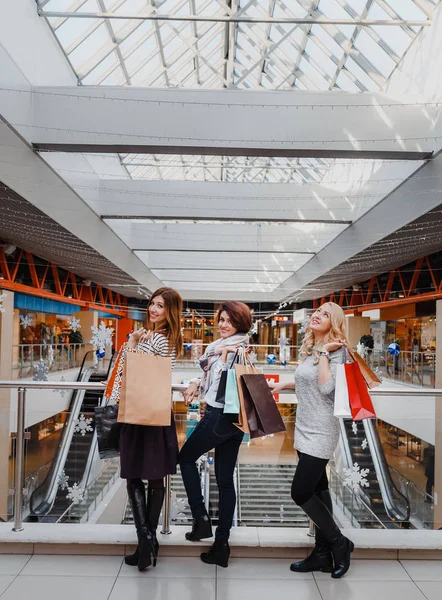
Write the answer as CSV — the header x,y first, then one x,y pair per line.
x,y
361,444
72,459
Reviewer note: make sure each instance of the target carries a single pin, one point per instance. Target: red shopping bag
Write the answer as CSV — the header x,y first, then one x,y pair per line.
x,y
359,398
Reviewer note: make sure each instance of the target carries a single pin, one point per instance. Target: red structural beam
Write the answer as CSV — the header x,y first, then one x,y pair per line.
x,y
93,296
358,300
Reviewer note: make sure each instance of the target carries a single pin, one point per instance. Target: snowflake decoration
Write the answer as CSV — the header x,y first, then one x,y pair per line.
x,y
266,519
74,324
25,321
356,477
63,481
281,513
101,336
40,371
364,444
61,391
83,425
354,427
3,295
75,494
361,349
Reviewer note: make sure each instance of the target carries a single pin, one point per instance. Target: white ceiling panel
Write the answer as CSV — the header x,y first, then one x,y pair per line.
x,y
295,237
247,261
227,275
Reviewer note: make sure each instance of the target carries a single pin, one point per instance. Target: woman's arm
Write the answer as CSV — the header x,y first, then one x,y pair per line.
x,y
327,367
280,387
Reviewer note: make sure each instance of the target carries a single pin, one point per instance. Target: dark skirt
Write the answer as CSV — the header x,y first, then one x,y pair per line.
x,y
148,452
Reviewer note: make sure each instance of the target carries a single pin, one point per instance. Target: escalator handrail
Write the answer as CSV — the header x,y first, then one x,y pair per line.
x,y
42,500
354,494
94,444
386,483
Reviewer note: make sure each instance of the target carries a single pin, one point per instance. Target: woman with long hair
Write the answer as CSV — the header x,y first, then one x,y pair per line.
x,y
149,452
215,430
316,437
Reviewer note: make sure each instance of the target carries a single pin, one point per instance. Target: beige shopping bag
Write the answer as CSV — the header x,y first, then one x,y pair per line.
x,y
146,390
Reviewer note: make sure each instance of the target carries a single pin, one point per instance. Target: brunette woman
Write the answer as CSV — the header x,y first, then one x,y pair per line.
x,y
149,452
316,437
215,430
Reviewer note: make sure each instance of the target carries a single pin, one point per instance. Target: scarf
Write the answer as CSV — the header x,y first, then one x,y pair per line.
x,y
211,355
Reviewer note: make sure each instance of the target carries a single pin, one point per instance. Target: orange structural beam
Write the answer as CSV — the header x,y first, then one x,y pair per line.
x,y
81,295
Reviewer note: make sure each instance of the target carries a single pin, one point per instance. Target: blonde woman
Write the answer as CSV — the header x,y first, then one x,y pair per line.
x,y
316,437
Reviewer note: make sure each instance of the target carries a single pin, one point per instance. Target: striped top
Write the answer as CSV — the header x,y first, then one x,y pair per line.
x,y
158,345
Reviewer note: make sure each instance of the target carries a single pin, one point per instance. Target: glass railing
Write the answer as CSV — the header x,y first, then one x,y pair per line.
x,y
54,357
411,368
263,477
287,355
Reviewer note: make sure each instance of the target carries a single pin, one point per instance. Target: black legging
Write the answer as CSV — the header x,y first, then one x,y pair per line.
x,y
157,484
310,478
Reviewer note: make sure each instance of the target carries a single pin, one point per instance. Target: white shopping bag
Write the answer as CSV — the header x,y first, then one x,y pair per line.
x,y
342,404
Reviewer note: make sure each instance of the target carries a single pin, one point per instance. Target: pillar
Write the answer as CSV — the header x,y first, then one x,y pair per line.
x,y
356,328
438,422
87,318
6,340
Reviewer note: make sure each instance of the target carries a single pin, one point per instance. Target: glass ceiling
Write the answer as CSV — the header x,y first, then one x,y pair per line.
x,y
274,55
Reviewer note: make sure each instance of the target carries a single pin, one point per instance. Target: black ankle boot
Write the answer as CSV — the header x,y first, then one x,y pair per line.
x,y
146,548
341,550
341,547
132,559
320,559
218,554
155,499
201,529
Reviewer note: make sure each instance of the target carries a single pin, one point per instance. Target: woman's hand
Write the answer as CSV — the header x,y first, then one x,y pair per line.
x,y
138,336
276,388
332,346
190,393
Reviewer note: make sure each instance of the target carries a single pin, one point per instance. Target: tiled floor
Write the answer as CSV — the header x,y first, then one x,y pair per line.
x,y
107,578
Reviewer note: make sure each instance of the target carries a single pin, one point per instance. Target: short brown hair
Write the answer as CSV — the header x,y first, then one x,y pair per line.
x,y
239,313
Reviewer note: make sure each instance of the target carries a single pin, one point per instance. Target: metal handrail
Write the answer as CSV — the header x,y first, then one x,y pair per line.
x,y
23,386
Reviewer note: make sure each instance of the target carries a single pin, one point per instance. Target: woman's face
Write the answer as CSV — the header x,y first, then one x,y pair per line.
x,y
225,327
320,322
157,310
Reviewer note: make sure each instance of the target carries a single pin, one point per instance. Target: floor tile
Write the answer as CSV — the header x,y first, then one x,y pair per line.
x,y
372,570
263,589
174,567
423,570
156,588
5,580
261,568
56,587
431,589
75,566
343,589
12,565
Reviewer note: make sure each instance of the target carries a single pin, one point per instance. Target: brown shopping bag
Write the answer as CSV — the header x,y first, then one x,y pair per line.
x,y
146,390
242,369
371,379
263,416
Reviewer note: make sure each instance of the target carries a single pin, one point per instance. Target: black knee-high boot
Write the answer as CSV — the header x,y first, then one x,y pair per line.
x,y
320,558
155,499
146,548
340,546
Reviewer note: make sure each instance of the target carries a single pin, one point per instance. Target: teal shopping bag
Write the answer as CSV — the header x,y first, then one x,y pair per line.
x,y
231,405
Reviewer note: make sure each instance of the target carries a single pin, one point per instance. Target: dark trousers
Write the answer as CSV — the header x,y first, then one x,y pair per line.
x,y
215,430
310,478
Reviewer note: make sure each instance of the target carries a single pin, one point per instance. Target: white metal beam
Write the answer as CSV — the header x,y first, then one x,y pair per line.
x,y
234,19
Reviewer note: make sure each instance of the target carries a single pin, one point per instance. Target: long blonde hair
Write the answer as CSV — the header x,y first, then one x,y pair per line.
x,y
338,331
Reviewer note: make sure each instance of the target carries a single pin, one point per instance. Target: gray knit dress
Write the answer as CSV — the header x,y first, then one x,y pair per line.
x,y
317,429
